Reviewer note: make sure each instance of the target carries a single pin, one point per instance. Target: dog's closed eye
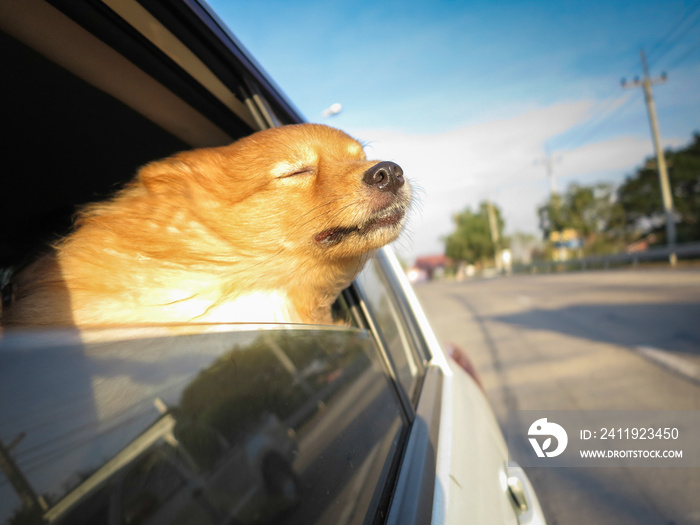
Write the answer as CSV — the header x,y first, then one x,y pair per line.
x,y
284,170
307,170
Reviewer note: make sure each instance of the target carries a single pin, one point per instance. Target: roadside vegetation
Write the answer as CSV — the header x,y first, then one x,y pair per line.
x,y
592,220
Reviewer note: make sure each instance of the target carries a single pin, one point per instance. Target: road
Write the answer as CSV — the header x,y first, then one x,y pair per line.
x,y
608,340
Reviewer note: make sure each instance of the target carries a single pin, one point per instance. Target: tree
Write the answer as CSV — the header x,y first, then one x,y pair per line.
x,y
640,195
591,211
471,241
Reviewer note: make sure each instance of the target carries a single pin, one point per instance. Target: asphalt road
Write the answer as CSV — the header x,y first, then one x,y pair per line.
x,y
608,340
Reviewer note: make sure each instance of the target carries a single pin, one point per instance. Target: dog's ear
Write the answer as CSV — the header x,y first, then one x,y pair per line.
x,y
209,173
166,176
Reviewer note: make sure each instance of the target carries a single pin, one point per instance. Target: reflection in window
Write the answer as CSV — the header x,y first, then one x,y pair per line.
x,y
286,426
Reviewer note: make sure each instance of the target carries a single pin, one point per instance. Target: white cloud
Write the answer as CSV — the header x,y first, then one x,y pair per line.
x,y
621,153
496,159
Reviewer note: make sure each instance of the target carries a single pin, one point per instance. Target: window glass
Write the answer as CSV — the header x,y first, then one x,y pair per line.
x,y
271,425
386,315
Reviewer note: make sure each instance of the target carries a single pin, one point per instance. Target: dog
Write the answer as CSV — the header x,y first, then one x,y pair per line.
x,y
268,229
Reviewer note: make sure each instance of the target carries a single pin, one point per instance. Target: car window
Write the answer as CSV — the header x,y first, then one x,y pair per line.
x,y
263,424
385,312
342,312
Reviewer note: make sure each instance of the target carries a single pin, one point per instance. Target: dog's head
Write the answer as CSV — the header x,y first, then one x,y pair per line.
x,y
304,189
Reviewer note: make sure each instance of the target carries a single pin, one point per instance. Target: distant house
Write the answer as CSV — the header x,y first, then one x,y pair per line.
x,y
432,265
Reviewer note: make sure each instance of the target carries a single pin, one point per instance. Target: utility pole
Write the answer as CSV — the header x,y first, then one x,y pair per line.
x,y
493,225
548,161
666,195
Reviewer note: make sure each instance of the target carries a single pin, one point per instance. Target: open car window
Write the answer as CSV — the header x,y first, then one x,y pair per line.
x,y
95,90
267,424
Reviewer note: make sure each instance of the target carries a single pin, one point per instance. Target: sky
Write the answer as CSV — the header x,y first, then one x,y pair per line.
x,y
470,97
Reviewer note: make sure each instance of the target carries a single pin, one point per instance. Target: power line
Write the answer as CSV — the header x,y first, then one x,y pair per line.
x,y
685,56
609,107
604,111
686,19
594,125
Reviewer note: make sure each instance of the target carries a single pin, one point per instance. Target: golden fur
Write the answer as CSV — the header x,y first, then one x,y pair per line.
x,y
269,228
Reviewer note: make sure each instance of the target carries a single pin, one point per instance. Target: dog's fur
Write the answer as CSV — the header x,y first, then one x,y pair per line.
x,y
268,229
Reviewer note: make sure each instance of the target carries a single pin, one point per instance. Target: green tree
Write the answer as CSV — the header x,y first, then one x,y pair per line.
x,y
592,211
640,195
471,241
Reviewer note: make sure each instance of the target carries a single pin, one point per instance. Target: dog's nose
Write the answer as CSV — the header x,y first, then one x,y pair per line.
x,y
386,176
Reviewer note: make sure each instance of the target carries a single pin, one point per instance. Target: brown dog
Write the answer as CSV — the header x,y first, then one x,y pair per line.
x,y
268,229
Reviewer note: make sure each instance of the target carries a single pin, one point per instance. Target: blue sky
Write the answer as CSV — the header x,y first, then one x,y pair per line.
x,y
467,96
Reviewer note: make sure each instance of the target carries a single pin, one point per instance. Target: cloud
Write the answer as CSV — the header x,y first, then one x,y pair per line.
x,y
489,150
497,159
620,154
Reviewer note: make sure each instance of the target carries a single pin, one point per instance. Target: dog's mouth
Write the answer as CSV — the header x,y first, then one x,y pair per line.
x,y
387,218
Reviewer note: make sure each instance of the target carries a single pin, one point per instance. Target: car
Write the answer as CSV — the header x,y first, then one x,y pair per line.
x,y
364,421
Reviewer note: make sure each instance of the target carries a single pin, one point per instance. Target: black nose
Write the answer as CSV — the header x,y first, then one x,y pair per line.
x,y
386,176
